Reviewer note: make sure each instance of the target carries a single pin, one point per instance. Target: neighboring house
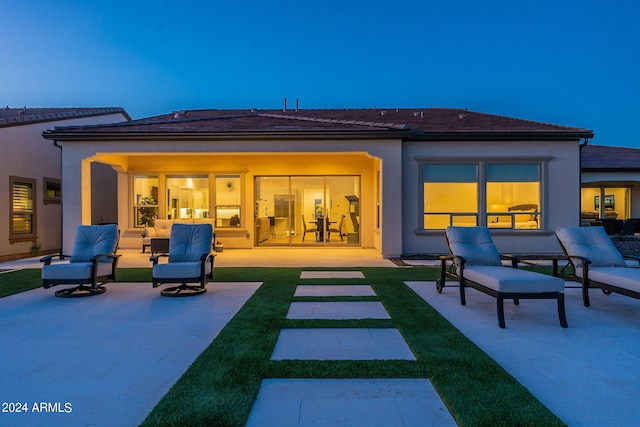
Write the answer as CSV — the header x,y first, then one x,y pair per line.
x,y
389,179
610,183
30,180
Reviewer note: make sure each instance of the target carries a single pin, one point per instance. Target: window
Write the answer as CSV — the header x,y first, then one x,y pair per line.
x,y
616,203
23,209
145,203
187,197
513,195
450,195
52,190
227,201
453,193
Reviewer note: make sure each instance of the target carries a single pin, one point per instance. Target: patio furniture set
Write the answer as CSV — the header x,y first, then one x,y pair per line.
x,y
93,262
589,254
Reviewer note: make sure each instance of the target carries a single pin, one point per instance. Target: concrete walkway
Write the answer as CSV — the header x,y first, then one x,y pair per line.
x,y
293,402
107,360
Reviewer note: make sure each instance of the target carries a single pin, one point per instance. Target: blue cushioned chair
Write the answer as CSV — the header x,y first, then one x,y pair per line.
x,y
475,262
190,260
93,262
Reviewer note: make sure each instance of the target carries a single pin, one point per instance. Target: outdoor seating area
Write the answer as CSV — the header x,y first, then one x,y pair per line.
x,y
572,386
474,261
93,262
190,260
594,261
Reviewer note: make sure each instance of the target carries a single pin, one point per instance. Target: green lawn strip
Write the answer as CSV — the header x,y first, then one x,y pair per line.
x,y
17,281
475,388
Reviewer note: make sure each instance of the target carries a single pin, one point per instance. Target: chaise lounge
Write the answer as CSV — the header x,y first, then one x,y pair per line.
x,y
475,262
595,262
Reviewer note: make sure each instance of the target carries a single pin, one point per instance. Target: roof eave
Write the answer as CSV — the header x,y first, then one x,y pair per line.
x,y
503,136
62,135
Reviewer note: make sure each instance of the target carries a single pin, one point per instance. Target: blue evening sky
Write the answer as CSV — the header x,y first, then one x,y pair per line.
x,y
575,63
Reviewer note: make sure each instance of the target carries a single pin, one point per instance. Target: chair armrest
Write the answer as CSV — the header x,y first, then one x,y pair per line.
x,y
631,257
97,258
48,258
204,257
457,258
555,265
514,259
155,258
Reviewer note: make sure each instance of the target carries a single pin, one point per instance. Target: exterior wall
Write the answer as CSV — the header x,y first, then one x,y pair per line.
x,y
27,154
247,158
560,198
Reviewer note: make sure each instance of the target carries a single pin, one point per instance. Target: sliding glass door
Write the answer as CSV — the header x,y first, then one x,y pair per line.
x,y
307,210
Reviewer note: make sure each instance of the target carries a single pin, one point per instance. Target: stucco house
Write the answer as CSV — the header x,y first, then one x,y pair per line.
x,y
30,175
610,183
389,179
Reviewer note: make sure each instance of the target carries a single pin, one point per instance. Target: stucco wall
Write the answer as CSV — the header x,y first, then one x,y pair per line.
x,y
27,154
560,192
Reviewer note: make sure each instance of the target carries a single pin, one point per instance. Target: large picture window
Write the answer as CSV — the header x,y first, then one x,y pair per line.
x,y
510,193
450,195
23,208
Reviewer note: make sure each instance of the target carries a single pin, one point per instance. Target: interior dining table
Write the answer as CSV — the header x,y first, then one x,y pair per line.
x,y
320,221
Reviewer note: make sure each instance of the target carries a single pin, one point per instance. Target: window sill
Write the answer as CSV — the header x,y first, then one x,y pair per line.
x,y
494,232
25,238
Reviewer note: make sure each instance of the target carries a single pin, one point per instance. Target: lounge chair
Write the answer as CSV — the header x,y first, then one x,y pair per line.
x,y
93,262
475,262
190,260
595,262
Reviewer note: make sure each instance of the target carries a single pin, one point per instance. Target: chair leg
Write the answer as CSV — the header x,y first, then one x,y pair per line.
x,y
500,308
463,299
561,311
585,293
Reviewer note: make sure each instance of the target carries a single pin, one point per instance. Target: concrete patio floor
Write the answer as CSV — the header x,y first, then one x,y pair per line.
x,y
586,374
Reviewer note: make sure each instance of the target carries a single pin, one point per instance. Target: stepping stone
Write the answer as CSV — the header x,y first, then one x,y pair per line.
x,y
337,310
331,275
341,402
334,291
341,344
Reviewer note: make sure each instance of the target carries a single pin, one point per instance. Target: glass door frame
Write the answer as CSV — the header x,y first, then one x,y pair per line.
x,y
265,217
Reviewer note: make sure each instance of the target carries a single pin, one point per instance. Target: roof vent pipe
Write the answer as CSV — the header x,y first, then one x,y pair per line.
x,y
297,105
284,109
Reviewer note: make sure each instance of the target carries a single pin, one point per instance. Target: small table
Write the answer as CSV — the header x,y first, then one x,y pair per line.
x,y
159,244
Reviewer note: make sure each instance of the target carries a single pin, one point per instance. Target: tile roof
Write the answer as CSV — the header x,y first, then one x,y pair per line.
x,y
414,122
610,158
25,115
